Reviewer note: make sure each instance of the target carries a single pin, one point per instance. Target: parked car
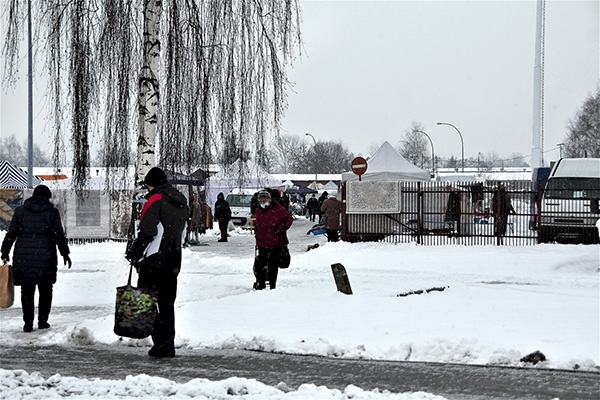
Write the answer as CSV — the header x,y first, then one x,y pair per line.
x,y
239,202
570,202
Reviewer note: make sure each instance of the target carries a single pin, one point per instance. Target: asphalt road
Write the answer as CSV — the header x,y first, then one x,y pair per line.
x,y
451,381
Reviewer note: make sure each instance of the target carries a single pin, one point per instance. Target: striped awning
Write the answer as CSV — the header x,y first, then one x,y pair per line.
x,y
13,177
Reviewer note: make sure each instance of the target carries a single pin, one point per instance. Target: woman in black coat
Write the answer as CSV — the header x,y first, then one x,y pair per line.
x,y
38,231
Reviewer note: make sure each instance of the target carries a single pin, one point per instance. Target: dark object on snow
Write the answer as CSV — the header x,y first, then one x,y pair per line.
x,y
421,291
534,357
312,246
341,278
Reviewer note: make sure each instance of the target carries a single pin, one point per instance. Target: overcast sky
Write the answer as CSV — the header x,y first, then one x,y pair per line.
x,y
371,68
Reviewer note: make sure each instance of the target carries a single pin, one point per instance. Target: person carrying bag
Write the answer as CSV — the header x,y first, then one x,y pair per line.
x,y
272,253
36,231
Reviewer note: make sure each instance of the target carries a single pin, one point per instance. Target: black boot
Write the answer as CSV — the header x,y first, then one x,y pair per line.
x,y
164,350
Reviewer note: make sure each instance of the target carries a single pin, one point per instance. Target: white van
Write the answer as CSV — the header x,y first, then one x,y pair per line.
x,y
569,206
239,202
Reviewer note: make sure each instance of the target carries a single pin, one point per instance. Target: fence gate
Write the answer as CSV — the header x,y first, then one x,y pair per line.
x,y
440,213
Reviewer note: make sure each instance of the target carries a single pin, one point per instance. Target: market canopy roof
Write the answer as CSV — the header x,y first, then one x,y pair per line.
x,y
388,165
13,177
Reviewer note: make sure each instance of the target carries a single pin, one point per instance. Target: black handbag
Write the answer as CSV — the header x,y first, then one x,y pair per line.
x,y
285,256
135,311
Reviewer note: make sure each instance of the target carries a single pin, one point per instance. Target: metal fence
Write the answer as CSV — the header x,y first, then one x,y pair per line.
x,y
440,213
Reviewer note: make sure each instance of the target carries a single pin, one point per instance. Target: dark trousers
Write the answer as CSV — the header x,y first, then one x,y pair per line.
x,y
28,302
333,235
223,228
165,286
312,213
266,267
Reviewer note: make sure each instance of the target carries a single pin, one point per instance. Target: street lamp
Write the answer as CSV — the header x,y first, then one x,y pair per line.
x,y
560,150
432,151
462,143
315,148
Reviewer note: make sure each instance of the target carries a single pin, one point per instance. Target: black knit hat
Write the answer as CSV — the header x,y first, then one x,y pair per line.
x,y
43,191
155,177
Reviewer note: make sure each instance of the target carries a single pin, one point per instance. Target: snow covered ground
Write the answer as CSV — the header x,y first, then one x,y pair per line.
x,y
497,305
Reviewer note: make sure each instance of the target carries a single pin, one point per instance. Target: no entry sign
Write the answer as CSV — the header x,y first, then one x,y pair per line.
x,y
359,166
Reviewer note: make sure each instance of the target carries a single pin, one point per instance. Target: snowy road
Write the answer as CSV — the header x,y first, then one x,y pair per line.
x,y
449,380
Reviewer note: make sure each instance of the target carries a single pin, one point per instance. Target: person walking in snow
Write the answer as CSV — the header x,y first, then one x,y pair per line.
x,y
37,229
332,209
272,222
222,215
312,204
156,254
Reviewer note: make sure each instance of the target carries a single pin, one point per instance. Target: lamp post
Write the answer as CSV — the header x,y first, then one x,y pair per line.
x,y
462,143
560,150
479,163
432,151
315,149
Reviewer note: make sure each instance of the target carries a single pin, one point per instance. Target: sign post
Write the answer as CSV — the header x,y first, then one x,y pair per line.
x,y
359,166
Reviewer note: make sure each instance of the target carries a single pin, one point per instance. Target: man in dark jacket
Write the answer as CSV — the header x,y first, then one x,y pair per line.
x,y
501,207
312,204
272,222
222,215
38,231
156,253
322,198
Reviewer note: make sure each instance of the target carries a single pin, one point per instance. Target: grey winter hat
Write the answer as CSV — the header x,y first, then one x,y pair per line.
x,y
264,195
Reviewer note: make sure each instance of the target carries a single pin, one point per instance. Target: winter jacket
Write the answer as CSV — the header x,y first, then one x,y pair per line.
x,y
312,203
162,230
501,203
222,210
320,202
271,225
332,209
37,229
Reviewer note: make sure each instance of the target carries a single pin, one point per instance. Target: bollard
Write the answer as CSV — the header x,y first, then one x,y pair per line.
x,y
341,278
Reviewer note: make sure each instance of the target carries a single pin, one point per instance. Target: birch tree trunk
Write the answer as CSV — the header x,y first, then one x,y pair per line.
x,y
148,103
149,93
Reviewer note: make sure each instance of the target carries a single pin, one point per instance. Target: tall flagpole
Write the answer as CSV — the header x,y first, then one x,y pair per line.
x,y
536,144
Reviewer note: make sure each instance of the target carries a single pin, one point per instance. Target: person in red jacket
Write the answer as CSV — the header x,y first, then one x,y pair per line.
x,y
156,254
272,222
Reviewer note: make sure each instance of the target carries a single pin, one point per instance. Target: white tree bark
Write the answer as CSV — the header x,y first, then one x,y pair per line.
x,y
149,93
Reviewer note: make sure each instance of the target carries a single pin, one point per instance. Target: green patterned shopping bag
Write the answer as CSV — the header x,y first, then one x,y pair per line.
x,y
135,311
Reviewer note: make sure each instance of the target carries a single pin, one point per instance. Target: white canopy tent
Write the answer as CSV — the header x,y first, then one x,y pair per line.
x,y
388,165
239,175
